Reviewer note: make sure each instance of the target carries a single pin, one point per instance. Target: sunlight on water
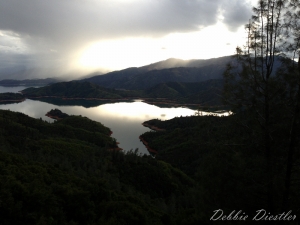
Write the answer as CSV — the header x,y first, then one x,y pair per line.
x,y
142,111
124,118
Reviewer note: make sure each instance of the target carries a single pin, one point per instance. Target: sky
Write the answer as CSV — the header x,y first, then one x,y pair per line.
x,y
77,37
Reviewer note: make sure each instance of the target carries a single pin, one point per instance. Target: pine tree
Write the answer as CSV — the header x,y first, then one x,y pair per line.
x,y
253,84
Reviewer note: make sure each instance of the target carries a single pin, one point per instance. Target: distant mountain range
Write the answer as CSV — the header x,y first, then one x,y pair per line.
x,y
142,78
194,82
171,70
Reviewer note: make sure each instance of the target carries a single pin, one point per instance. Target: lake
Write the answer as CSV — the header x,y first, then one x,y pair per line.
x,y
123,118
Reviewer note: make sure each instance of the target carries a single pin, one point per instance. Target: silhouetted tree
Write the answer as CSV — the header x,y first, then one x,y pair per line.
x,y
252,82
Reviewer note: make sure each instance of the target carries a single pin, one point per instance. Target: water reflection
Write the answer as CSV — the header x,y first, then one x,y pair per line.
x,y
142,111
124,118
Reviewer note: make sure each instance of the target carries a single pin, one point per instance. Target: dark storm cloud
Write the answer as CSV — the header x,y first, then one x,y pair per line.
x,y
60,27
236,13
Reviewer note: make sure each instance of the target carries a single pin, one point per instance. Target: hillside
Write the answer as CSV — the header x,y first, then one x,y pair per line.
x,y
115,79
180,74
203,93
225,155
171,70
62,173
76,89
173,63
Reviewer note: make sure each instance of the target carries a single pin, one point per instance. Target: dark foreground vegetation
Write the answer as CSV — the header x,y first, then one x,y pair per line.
x,y
225,156
64,173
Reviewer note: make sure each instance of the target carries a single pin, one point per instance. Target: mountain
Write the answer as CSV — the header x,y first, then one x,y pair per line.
x,y
178,74
115,79
172,63
171,70
203,93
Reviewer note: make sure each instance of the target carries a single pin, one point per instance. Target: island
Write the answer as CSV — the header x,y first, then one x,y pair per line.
x,y
56,114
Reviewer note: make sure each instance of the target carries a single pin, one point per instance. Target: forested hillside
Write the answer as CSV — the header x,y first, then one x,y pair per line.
x,y
67,173
206,93
141,80
224,155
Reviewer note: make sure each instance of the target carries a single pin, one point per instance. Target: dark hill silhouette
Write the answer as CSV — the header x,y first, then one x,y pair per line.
x,y
170,70
204,93
180,74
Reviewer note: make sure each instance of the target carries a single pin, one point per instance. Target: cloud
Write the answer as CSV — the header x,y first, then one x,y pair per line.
x,y
58,28
236,13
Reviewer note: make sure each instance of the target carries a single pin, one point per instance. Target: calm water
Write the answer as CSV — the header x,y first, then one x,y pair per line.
x,y
124,118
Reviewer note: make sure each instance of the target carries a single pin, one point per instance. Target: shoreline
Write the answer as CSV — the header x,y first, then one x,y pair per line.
x,y
147,146
13,101
53,117
153,127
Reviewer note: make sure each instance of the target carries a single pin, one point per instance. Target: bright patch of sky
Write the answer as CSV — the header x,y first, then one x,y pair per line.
x,y
89,35
134,52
